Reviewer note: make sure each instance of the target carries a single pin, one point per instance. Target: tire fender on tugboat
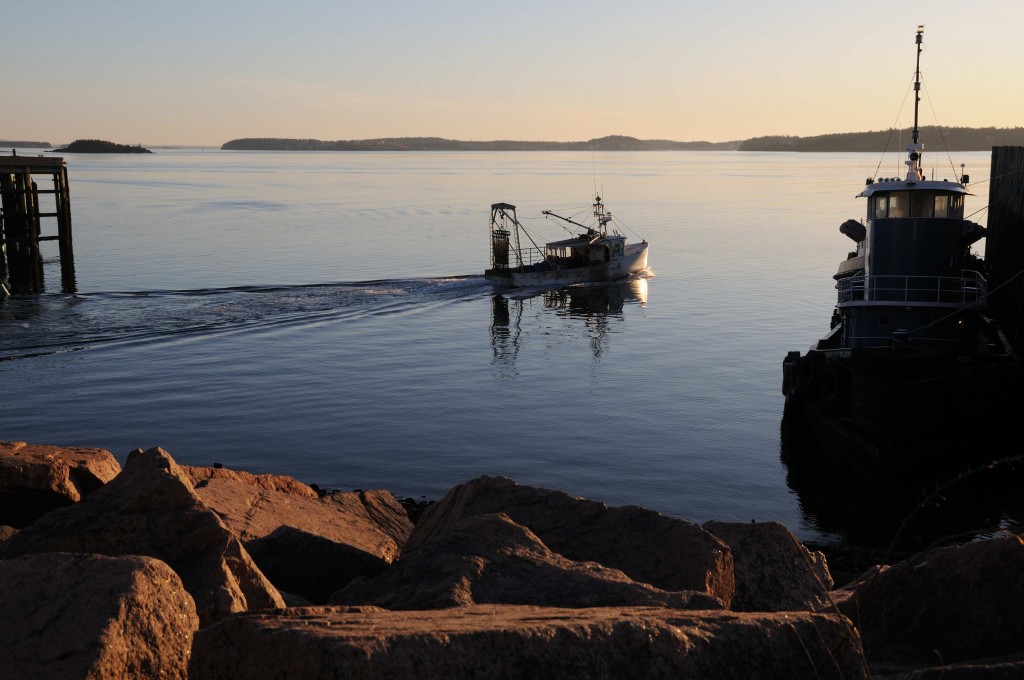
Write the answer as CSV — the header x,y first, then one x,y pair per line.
x,y
831,383
809,375
790,373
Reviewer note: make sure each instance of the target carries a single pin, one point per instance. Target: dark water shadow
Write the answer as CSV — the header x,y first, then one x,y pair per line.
x,y
895,516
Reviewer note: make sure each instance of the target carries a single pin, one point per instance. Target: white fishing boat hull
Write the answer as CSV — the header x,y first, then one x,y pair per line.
x,y
633,261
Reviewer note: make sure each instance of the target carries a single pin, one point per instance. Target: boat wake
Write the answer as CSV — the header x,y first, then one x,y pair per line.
x,y
49,324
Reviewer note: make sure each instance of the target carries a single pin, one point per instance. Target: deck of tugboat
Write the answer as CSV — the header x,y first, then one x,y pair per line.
x,y
968,290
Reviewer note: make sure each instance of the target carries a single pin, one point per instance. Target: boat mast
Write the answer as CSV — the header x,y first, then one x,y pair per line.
x,y
917,81
603,218
915,148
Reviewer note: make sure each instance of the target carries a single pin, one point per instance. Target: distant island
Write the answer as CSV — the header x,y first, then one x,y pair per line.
x,y
4,144
99,146
934,138
610,143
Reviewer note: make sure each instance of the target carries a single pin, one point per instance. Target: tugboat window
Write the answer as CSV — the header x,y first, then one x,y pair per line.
x,y
899,203
956,207
942,205
924,205
880,205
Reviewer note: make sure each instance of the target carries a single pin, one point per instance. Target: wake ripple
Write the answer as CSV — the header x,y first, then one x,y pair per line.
x,y
47,324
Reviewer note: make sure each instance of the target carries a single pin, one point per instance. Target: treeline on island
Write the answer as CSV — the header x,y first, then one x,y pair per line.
x,y
100,146
610,143
14,144
933,137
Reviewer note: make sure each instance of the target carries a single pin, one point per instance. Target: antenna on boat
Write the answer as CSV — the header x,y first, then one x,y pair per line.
x,y
915,148
603,218
917,80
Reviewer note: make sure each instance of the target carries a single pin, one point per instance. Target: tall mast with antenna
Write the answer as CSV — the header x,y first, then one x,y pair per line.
x,y
915,148
917,80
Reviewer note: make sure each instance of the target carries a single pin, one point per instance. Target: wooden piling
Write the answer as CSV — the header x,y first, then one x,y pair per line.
x,y
22,222
1004,249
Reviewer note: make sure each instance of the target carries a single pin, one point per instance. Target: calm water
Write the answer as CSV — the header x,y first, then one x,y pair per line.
x,y
324,315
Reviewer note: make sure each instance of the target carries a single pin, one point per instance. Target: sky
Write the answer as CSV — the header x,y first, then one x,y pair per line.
x,y
203,72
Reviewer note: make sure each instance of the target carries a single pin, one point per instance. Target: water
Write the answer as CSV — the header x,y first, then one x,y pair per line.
x,y
324,315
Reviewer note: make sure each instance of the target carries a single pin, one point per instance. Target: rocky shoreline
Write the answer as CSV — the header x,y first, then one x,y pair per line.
x,y
164,570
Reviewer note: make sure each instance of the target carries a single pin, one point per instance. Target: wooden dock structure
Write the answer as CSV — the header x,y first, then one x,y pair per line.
x,y
30,215
1004,249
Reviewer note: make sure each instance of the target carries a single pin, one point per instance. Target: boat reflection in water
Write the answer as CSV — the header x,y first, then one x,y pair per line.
x,y
897,519
590,310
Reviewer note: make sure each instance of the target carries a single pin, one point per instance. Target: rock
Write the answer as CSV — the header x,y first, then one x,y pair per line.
x,y
151,509
36,478
312,567
840,595
489,559
945,605
6,532
381,511
254,506
202,476
512,642
773,570
89,616
670,554
307,544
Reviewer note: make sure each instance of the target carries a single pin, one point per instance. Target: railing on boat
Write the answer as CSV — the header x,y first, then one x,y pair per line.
x,y
531,256
970,288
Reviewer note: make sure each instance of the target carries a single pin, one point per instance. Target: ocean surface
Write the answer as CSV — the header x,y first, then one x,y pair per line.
x,y
325,316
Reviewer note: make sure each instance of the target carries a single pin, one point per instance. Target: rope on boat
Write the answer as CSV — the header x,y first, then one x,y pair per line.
x,y
617,223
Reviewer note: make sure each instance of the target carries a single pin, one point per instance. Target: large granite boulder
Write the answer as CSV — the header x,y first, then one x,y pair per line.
x,y
944,605
773,570
203,476
89,616
36,478
513,642
670,554
306,544
151,509
489,559
254,506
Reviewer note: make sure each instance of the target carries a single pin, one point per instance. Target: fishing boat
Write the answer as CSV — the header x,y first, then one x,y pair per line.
x,y
593,253
914,374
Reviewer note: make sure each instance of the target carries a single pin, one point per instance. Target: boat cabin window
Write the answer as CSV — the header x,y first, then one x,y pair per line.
x,y
955,207
879,205
899,204
916,204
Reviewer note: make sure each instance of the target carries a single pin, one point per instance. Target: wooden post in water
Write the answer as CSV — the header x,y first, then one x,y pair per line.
x,y
1004,249
22,220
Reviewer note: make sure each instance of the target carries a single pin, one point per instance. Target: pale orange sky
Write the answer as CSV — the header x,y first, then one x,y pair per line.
x,y
203,73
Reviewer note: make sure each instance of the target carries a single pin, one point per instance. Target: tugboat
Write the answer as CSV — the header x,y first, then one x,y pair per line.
x,y
592,255
914,375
